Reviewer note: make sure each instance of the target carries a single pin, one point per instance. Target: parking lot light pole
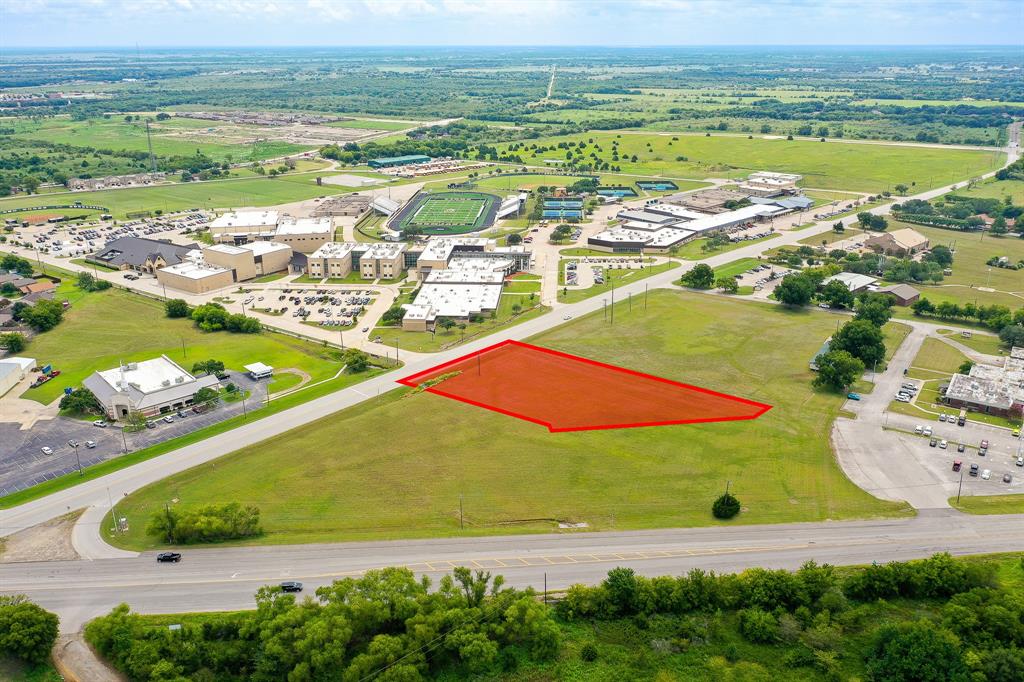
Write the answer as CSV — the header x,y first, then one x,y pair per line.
x,y
77,460
124,439
961,486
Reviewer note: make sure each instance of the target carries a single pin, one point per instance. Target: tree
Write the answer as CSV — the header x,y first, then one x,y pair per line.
x,y
726,506
915,651
838,228
701,277
210,317
875,312
355,360
80,401
837,294
176,307
208,367
1012,335
758,626
837,370
727,284
940,254
795,290
861,339
965,367
14,342
514,239
205,396
27,631
393,315
901,189
922,306
43,316
999,226
445,323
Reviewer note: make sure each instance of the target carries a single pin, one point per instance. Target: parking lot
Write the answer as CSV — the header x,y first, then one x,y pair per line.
x,y
77,240
23,464
323,307
763,278
588,271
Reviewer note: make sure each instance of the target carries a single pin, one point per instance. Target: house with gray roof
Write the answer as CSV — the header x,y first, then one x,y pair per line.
x,y
140,254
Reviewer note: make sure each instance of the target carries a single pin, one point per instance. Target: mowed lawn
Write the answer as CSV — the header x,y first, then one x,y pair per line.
x,y
824,165
970,272
938,356
102,329
397,466
230,193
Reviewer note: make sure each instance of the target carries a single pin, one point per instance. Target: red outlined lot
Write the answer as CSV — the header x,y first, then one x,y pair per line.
x,y
568,393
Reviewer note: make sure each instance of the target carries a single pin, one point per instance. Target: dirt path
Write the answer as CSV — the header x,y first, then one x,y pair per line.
x,y
77,662
50,541
304,378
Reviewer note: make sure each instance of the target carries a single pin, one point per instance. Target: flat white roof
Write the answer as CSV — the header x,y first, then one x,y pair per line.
x,y
258,368
334,250
852,280
24,363
305,226
465,276
229,249
440,248
379,250
260,248
458,300
147,376
193,270
246,219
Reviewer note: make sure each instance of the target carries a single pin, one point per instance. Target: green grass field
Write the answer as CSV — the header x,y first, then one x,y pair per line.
x,y
613,277
174,197
938,356
990,504
834,165
515,477
996,189
970,272
102,329
982,343
114,133
736,267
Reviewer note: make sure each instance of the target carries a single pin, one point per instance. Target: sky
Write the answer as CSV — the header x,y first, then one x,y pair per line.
x,y
618,23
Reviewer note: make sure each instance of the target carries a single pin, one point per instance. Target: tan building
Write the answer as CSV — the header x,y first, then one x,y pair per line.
x,y
334,260
305,235
348,205
382,261
195,276
249,261
905,242
238,227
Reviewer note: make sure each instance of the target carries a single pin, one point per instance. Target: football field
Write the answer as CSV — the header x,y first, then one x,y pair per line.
x,y
448,212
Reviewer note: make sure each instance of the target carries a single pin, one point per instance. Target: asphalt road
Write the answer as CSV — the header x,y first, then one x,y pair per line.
x,y
225,579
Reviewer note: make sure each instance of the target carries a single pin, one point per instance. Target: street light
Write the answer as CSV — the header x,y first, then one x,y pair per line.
x,y
79,461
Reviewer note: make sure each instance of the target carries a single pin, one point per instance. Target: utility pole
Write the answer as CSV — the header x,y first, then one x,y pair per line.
x,y
245,414
341,337
462,524
645,295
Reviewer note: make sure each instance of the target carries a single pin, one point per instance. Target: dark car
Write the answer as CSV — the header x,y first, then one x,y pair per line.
x,y
974,470
961,421
961,447
291,586
957,464
168,557
933,442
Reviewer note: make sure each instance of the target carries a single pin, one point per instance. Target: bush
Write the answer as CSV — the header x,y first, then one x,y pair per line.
x,y
759,627
27,631
14,342
80,401
588,652
915,651
725,507
209,523
176,307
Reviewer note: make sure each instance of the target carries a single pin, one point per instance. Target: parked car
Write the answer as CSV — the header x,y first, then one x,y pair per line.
x,y
72,443
932,443
986,474
1020,461
1007,478
927,430
168,557
918,429
984,444
291,586
100,423
974,470
90,444
960,447
957,464
961,421
182,413
942,417
150,424
169,419
853,396
46,450
982,452
943,444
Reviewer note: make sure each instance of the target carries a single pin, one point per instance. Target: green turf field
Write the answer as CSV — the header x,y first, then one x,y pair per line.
x,y
448,212
397,465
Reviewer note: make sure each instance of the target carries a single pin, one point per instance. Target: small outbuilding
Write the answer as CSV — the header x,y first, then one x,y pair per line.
x,y
258,370
903,293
